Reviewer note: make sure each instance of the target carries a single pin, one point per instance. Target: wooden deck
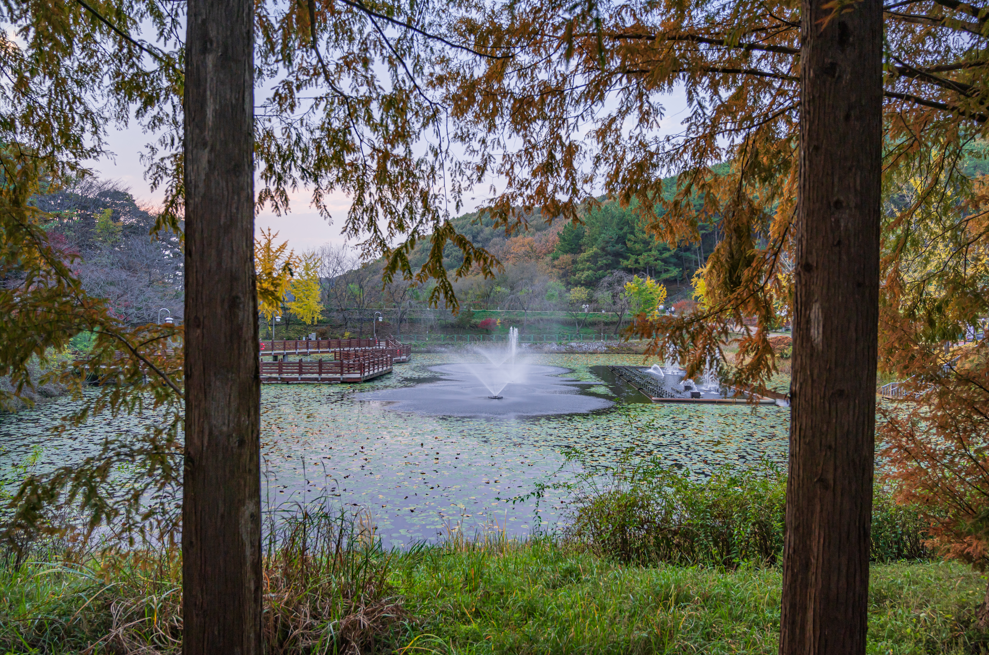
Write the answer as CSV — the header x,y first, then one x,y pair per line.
x,y
361,367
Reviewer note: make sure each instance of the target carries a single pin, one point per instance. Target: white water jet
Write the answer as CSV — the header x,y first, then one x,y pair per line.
x,y
710,378
502,368
670,366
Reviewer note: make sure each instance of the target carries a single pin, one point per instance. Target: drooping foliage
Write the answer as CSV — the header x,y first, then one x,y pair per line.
x,y
579,106
578,111
139,370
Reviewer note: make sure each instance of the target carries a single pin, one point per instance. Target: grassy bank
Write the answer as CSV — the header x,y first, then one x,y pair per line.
x,y
502,597
648,561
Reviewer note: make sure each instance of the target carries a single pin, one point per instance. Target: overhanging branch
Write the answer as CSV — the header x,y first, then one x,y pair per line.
x,y
923,102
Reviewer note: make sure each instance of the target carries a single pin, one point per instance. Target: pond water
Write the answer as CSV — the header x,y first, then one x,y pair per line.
x,y
423,473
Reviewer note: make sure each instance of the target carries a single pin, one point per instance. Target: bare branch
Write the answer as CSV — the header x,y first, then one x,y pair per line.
x,y
357,4
977,117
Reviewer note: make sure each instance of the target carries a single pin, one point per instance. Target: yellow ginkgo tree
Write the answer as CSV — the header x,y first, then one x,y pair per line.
x,y
304,287
274,266
286,278
646,295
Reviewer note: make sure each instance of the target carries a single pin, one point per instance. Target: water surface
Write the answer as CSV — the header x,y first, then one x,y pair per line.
x,y
421,473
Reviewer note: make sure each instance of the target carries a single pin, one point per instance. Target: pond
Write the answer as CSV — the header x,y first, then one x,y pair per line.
x,y
423,473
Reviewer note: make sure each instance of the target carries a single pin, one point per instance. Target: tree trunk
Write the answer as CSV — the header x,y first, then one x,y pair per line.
x,y
221,512
832,433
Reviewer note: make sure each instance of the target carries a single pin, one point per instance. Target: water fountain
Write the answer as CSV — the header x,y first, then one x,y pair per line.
x,y
503,373
502,368
668,383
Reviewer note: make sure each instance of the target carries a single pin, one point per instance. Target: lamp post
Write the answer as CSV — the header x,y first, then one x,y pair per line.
x,y
374,325
274,319
168,318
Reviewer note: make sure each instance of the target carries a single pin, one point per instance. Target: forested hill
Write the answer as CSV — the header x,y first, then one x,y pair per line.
x,y
100,227
611,238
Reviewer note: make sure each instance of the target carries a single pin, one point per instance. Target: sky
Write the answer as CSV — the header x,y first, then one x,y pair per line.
x,y
303,227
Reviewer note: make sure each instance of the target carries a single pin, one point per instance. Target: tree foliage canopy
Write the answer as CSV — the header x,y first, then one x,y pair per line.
x,y
577,109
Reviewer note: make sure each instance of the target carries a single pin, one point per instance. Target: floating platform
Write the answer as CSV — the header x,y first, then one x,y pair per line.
x,y
658,392
360,367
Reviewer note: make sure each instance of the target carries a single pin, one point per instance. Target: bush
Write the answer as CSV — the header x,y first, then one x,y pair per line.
x,y
464,318
782,346
488,324
650,514
685,307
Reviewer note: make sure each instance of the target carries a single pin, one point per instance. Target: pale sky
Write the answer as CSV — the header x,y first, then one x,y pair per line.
x,y
303,228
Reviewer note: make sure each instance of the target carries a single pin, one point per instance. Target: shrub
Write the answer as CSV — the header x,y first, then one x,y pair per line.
x,y
685,307
488,324
464,318
782,346
649,513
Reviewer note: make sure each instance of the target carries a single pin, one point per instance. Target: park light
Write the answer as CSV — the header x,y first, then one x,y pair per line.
x,y
168,320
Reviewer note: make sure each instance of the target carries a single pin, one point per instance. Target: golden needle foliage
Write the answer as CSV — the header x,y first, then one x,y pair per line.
x,y
305,290
273,265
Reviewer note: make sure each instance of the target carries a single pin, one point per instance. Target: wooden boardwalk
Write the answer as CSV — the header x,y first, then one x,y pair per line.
x,y
353,360
360,367
400,352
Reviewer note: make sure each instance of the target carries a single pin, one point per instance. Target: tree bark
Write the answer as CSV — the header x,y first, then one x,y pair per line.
x,y
832,433
221,512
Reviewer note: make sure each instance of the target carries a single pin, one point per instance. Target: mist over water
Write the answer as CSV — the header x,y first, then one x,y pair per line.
x,y
493,382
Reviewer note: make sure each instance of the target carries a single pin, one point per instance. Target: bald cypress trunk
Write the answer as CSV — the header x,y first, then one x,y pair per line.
x,y
832,434
221,532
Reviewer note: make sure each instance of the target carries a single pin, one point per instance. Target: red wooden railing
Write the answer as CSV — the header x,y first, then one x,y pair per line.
x,y
359,367
313,346
399,351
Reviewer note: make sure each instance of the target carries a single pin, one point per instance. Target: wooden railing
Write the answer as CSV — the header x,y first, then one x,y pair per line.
x,y
401,352
356,368
314,346
317,346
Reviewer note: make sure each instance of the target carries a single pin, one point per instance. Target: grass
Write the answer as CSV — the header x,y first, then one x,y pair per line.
x,y
652,562
501,596
540,598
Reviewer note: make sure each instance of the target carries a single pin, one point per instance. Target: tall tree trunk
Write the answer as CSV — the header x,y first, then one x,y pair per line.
x,y
832,432
221,512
